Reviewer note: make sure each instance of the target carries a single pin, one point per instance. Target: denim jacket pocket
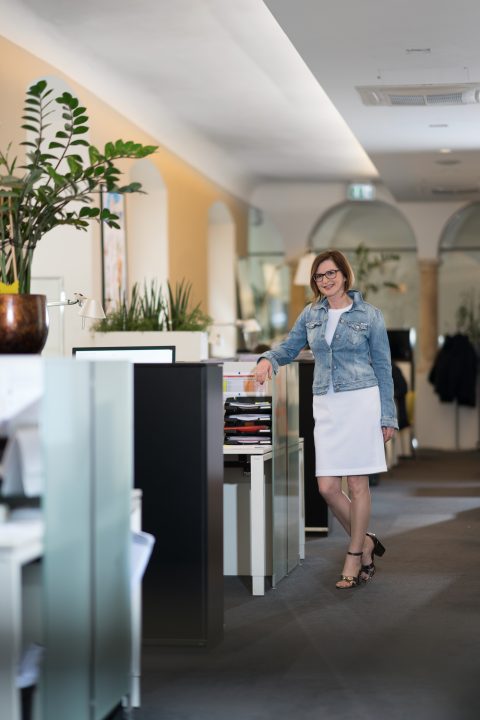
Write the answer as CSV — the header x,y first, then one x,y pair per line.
x,y
313,328
357,332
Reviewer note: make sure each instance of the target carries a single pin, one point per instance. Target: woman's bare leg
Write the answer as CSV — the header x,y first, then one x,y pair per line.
x,y
360,507
353,516
330,488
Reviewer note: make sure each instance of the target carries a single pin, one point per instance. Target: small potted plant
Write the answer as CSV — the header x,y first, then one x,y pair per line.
x,y
56,186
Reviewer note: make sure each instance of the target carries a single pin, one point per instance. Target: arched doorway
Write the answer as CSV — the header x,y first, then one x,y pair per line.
x,y
459,271
382,231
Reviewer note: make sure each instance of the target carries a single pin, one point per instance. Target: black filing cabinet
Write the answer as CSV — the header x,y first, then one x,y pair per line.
x,y
316,509
179,468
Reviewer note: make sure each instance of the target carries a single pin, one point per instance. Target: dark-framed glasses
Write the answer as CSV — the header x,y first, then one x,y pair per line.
x,y
329,274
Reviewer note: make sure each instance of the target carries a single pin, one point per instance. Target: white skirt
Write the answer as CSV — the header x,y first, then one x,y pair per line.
x,y
348,435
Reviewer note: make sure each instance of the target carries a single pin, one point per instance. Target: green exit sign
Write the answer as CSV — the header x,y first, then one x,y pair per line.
x,y
361,191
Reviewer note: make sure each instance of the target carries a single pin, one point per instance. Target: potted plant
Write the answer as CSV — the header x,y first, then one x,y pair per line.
x,y
365,264
468,318
56,186
151,318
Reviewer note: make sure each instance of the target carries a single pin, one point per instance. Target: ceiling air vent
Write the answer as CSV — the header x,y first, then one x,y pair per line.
x,y
419,95
454,191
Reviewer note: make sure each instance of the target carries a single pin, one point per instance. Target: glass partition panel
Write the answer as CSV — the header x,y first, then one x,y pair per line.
x,y
293,497
112,483
66,439
86,429
279,477
264,293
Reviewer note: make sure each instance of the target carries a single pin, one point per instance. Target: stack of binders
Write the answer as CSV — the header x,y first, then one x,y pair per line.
x,y
248,420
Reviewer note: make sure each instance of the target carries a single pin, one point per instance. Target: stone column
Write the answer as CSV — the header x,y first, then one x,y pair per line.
x,y
428,325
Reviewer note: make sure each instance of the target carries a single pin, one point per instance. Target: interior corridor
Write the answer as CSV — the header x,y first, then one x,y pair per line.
x,y
405,645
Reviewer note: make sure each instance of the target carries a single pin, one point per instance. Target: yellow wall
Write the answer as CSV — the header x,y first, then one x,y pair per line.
x,y
190,194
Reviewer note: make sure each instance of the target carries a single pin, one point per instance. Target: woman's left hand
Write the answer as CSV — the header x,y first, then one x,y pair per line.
x,y
388,433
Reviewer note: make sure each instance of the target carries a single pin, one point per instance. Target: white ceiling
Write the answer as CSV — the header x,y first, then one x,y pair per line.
x,y
220,83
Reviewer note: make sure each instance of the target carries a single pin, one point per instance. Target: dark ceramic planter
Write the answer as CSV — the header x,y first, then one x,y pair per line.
x,y
23,323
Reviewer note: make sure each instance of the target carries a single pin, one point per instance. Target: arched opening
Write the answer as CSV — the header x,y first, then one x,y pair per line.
x,y
459,271
367,232
222,303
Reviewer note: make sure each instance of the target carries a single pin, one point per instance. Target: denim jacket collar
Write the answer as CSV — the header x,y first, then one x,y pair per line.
x,y
358,302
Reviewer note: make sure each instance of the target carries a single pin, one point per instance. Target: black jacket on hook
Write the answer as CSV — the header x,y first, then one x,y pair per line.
x,y
400,389
454,372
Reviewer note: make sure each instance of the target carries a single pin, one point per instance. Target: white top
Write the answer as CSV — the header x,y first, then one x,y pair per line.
x,y
332,322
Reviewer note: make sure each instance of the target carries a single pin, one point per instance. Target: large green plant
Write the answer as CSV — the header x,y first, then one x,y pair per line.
x,y
151,311
368,266
54,176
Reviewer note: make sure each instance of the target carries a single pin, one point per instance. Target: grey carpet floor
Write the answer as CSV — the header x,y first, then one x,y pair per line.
x,y
406,645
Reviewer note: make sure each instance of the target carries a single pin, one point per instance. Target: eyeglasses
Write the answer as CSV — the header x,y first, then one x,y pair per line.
x,y
329,274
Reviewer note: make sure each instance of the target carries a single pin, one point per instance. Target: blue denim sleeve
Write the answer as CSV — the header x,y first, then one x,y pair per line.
x,y
382,367
289,348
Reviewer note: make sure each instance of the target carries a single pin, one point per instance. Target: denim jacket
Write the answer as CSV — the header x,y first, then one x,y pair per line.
x,y
358,357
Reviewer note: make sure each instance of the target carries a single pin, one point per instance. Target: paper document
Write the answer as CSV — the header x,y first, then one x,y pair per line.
x,y
249,418
142,546
29,668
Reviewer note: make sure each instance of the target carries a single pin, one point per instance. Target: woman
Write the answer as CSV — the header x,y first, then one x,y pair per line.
x,y
353,403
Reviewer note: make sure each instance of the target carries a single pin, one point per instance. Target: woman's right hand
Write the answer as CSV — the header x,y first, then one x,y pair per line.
x,y
263,371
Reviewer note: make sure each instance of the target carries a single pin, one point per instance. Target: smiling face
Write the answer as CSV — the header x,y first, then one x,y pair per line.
x,y
332,288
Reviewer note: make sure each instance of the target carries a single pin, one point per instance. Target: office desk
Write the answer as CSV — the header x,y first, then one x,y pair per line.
x,y
20,543
259,455
260,543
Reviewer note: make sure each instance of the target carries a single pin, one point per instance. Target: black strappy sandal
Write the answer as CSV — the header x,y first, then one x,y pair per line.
x,y
378,549
352,580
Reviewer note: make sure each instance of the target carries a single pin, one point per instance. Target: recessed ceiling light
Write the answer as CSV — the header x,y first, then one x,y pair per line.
x,y
438,125
445,151
418,50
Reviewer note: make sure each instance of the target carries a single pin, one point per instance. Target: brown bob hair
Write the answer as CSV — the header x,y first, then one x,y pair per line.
x,y
342,264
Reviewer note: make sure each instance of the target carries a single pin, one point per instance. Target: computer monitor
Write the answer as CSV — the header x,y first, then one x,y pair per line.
x,y
136,354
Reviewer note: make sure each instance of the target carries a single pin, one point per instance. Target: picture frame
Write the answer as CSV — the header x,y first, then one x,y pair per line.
x,y
114,251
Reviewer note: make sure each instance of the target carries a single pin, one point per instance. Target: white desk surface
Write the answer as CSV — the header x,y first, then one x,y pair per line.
x,y
16,534
247,449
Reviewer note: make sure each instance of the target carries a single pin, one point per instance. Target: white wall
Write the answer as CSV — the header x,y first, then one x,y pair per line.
x,y
70,255
222,306
147,226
